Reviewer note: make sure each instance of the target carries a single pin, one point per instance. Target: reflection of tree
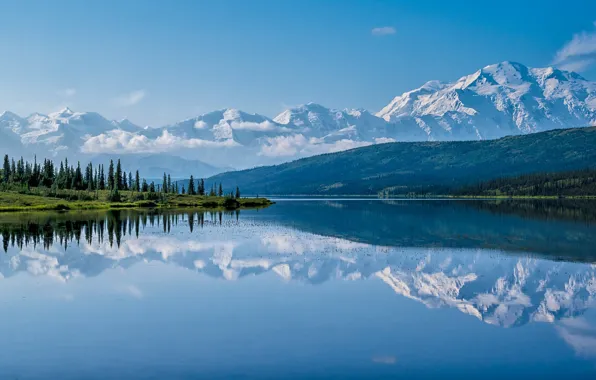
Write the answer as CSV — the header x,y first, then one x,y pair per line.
x,y
67,228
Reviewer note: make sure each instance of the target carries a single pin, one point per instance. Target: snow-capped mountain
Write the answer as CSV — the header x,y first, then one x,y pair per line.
x,y
498,100
501,99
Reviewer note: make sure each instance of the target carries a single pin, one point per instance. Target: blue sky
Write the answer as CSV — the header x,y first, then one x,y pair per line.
x,y
157,62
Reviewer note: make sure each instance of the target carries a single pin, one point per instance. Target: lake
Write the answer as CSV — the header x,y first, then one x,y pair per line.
x,y
329,288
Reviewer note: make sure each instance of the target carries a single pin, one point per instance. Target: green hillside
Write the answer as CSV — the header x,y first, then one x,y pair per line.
x,y
421,167
568,183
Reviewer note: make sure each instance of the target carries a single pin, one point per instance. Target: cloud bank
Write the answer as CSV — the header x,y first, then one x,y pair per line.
x,y
119,141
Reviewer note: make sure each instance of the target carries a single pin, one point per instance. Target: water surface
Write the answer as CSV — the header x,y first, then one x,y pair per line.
x,y
318,289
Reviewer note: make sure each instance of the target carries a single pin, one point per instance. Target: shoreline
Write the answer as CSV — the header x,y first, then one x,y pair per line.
x,y
15,202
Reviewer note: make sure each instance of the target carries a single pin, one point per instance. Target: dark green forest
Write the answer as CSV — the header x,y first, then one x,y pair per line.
x,y
55,181
569,183
418,168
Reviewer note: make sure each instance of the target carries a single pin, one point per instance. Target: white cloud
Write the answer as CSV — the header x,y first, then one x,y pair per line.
x,y
200,124
67,92
119,141
298,145
383,31
383,140
579,53
130,99
265,126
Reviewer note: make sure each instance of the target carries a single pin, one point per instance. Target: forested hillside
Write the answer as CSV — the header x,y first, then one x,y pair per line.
x,y
421,167
573,183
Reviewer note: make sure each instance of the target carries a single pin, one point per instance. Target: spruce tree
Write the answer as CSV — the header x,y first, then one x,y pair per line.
x,y
164,187
237,193
202,187
111,181
6,168
137,181
118,180
102,179
191,186
220,191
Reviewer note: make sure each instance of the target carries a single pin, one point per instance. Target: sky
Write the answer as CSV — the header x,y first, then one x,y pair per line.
x,y
157,62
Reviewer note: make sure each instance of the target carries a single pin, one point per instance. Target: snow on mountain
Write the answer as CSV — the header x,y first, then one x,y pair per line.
x,y
501,99
498,100
228,125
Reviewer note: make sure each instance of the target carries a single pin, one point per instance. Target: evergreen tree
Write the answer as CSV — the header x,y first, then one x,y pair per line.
x,y
6,173
118,181
124,181
183,190
131,185
220,191
191,186
145,187
237,193
202,187
111,181
77,180
102,179
137,181
164,187
170,190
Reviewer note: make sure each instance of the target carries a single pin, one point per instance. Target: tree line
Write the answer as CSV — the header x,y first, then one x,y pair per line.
x,y
114,225
568,183
21,173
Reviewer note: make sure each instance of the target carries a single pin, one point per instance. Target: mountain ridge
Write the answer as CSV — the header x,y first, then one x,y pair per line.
x,y
502,99
421,167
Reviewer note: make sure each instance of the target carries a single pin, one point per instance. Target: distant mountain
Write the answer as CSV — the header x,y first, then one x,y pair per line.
x,y
400,168
503,99
153,166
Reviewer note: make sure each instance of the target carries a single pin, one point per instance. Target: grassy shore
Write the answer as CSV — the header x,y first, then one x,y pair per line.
x,y
13,201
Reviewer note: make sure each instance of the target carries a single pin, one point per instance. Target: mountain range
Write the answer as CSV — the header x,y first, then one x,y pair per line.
x,y
503,99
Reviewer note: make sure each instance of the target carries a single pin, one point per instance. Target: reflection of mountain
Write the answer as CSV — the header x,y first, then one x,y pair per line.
x,y
499,289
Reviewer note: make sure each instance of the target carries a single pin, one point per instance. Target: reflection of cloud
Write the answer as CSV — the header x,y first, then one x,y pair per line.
x,y
579,334
165,246
297,244
384,359
119,141
134,291
41,264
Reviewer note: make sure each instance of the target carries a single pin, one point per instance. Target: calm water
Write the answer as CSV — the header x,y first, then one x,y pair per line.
x,y
317,289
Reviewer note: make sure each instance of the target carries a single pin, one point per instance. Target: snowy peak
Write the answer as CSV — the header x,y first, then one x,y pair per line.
x,y
62,114
318,120
497,100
